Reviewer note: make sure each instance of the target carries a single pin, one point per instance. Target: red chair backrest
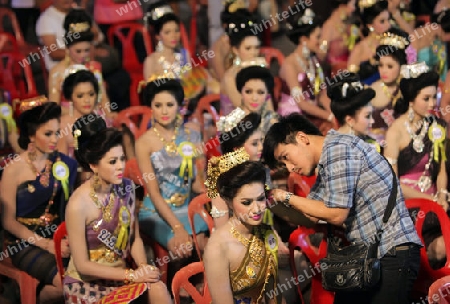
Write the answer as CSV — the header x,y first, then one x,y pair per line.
x,y
60,233
133,172
17,76
197,206
7,14
205,105
427,275
181,280
8,43
136,118
212,148
439,291
130,59
271,53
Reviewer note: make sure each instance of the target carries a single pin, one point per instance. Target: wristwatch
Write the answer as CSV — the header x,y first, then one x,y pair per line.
x,y
287,199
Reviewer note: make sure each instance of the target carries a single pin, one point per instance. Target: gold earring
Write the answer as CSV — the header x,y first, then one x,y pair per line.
x,y
31,151
96,181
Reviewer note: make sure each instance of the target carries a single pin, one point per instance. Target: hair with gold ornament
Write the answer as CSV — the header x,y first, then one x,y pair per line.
x,y
227,123
414,70
219,165
396,41
232,6
363,4
79,27
29,103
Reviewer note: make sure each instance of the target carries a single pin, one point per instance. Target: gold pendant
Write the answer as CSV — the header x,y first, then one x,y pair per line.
x,y
171,148
31,188
107,216
250,272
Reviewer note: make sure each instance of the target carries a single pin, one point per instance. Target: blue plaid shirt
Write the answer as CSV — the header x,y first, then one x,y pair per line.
x,y
353,175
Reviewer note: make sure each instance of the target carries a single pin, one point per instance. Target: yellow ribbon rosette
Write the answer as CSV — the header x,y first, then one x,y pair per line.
x,y
6,113
61,173
124,222
187,152
436,133
271,241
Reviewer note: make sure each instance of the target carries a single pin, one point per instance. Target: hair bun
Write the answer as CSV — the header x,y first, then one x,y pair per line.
x,y
87,126
346,88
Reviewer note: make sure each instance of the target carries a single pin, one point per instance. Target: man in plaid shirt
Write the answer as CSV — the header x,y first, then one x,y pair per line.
x,y
352,190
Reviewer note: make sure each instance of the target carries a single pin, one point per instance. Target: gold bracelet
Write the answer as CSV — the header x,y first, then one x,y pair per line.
x,y
177,226
127,273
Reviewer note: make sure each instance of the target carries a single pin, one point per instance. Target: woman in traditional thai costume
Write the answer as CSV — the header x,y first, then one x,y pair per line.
x,y
375,18
256,85
240,258
351,104
34,190
391,55
167,156
81,89
339,34
302,74
415,148
245,44
79,37
102,226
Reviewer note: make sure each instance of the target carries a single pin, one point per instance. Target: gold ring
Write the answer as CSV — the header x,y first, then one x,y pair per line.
x,y
153,268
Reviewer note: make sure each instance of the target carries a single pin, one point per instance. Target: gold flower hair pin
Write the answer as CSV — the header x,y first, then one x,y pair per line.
x,y
76,134
414,70
227,123
79,27
219,165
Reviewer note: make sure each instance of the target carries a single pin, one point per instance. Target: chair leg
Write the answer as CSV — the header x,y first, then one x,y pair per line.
x,y
27,285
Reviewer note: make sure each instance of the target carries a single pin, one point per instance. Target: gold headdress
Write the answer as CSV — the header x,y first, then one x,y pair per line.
x,y
396,41
366,4
143,83
234,5
414,70
227,123
307,18
160,11
79,27
30,103
73,69
76,134
219,165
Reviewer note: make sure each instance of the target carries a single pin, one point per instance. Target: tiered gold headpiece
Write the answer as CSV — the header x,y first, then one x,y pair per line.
x,y
234,5
30,103
414,70
366,4
227,123
160,11
79,27
307,18
396,41
219,165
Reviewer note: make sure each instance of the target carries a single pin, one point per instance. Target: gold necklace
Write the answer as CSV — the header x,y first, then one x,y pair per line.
x,y
171,147
391,96
44,178
245,241
106,210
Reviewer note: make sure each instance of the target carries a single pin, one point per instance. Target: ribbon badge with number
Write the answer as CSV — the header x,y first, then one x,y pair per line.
x,y
6,113
187,152
272,244
436,133
124,222
61,173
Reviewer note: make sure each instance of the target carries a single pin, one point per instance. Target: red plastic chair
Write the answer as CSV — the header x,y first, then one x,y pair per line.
x,y
205,105
160,253
300,185
212,148
133,172
181,280
27,284
271,53
439,291
133,115
8,43
130,60
197,206
60,233
428,275
16,79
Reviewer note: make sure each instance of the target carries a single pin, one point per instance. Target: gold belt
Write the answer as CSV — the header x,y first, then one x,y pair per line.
x,y
40,221
109,255
177,199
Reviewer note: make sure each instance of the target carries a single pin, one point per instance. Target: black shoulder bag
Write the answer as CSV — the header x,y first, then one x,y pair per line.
x,y
355,267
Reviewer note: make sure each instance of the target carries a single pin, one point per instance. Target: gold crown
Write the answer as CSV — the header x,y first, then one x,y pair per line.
x,y
260,61
143,83
396,41
219,165
160,11
30,103
366,4
414,70
79,27
234,5
307,18
227,123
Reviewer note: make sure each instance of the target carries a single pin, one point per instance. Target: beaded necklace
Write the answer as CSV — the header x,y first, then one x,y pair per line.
x,y
106,210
